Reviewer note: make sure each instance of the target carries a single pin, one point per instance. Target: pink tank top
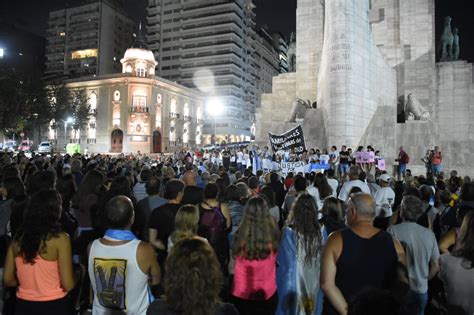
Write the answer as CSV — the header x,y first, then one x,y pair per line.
x,y
40,281
255,279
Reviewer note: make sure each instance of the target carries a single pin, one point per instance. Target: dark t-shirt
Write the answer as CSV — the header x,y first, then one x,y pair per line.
x,y
160,307
343,157
162,220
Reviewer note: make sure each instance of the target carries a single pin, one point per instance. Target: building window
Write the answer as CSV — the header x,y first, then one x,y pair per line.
x,y
139,103
141,72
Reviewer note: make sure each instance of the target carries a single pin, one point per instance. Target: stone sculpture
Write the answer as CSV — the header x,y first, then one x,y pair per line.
x,y
299,108
414,110
455,53
445,47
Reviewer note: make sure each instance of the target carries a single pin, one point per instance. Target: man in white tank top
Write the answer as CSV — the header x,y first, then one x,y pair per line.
x,y
120,265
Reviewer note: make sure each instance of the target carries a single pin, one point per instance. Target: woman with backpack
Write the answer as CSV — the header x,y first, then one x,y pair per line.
x,y
215,223
254,289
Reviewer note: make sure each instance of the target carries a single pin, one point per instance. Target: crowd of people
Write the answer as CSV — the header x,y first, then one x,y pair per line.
x,y
207,233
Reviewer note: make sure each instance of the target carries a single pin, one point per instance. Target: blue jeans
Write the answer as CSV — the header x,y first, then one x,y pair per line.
x,y
344,168
402,169
423,300
436,168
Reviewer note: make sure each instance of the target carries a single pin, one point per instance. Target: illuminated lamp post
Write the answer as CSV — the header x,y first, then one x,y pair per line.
x,y
215,108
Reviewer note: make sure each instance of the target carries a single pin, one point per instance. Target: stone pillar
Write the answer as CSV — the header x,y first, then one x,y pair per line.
x,y
309,44
354,79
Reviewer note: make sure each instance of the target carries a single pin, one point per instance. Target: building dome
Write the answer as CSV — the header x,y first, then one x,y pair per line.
x,y
143,54
138,59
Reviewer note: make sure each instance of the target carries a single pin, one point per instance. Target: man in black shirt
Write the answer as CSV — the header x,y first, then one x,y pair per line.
x,y
161,223
343,162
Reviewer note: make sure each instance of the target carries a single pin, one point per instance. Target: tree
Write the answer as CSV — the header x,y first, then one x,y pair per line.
x,y
11,99
80,109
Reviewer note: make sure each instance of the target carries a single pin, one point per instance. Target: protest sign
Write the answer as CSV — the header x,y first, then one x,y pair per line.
x,y
381,164
292,139
294,167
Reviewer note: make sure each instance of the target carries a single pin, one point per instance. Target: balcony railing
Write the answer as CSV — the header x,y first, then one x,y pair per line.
x,y
136,109
174,115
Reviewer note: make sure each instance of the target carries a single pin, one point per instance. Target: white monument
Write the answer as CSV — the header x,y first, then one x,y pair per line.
x,y
371,68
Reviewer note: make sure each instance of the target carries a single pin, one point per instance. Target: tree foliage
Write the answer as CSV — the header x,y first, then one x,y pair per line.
x,y
27,104
80,108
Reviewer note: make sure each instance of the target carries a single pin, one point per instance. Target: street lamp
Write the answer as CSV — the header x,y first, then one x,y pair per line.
x,y
69,120
215,108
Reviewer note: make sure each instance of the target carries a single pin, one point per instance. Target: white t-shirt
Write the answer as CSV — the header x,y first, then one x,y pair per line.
x,y
384,198
334,184
346,188
239,157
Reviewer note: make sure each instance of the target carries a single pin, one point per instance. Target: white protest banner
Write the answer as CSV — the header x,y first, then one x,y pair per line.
x,y
294,167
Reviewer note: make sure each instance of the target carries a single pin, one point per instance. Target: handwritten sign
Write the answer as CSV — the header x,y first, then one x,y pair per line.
x,y
292,139
381,164
365,157
293,167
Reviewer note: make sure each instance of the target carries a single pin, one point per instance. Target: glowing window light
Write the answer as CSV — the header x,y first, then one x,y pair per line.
x,y
85,53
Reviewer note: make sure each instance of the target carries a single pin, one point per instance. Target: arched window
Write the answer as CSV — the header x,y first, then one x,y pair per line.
x,y
93,103
186,110
172,131
173,106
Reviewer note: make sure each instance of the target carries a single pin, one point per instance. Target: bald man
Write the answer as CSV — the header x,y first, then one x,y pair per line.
x,y
120,265
357,257
189,178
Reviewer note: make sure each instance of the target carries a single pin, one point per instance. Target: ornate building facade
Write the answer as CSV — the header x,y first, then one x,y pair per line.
x,y
136,111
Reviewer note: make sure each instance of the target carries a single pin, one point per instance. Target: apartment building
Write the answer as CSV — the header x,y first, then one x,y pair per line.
x,y
87,37
268,63
211,45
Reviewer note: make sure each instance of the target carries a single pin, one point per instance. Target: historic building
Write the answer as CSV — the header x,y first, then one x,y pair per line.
x,y
135,110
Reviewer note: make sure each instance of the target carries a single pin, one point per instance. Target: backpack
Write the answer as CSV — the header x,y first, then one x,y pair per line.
x,y
212,225
423,219
404,159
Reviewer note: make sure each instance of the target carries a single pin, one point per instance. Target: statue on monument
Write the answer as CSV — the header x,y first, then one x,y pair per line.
x,y
455,53
414,110
299,108
448,47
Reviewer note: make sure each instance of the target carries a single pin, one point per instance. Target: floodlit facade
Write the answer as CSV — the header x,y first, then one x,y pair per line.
x,y
210,45
87,38
136,111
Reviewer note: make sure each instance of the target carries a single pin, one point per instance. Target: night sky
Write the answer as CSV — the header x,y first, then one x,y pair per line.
x,y
278,15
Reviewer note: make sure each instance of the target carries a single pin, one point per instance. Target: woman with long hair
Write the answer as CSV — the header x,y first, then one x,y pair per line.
x,y
186,224
39,260
332,216
457,268
320,189
12,187
268,193
254,250
192,282
87,197
299,259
